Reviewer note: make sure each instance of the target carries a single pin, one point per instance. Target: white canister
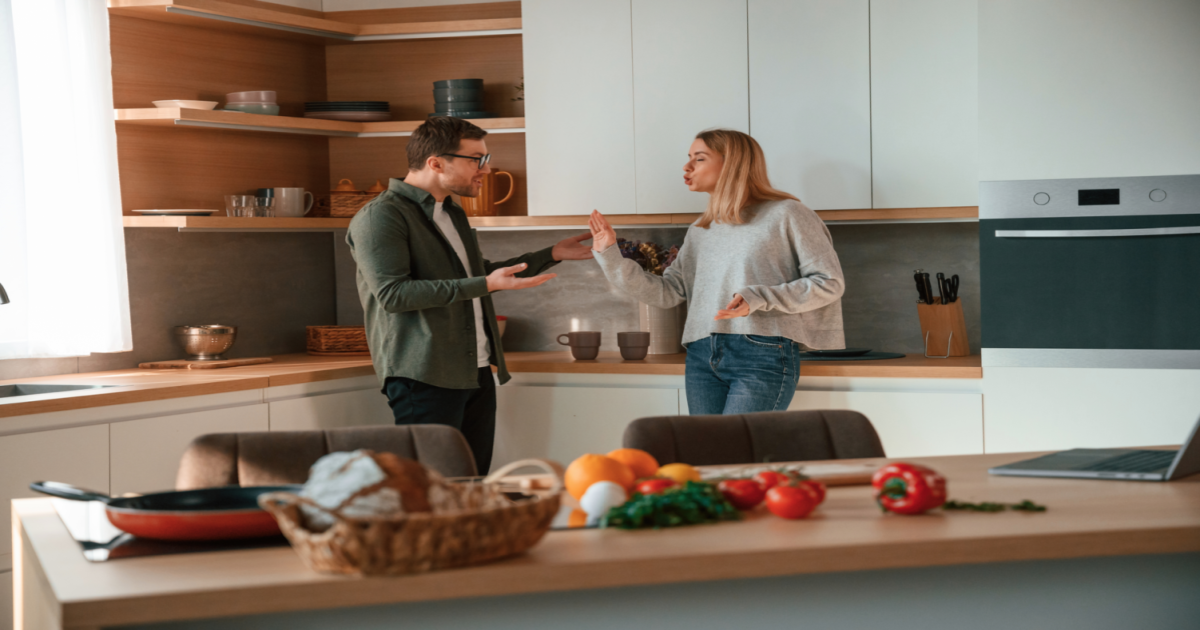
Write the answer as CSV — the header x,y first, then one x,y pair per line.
x,y
292,202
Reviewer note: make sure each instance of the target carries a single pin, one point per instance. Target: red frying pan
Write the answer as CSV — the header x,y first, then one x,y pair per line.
x,y
207,514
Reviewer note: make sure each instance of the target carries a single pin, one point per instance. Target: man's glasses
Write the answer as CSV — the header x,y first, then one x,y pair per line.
x,y
483,160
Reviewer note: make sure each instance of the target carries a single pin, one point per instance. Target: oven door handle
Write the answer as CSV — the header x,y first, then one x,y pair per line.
x,y
1162,231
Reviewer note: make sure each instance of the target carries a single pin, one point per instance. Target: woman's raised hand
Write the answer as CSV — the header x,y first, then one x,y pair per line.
x,y
603,235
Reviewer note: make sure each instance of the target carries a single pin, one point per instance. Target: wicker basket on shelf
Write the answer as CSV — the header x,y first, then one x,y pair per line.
x,y
420,542
345,201
338,340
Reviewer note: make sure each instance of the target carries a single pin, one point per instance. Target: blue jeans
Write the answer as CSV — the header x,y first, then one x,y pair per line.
x,y
728,374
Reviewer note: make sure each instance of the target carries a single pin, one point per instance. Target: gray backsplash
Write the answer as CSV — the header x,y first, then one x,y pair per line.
x,y
879,306
273,285
268,285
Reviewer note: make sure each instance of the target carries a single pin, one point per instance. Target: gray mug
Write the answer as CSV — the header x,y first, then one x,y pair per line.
x,y
585,345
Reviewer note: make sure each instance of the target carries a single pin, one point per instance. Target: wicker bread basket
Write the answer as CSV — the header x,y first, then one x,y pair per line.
x,y
420,542
337,340
345,201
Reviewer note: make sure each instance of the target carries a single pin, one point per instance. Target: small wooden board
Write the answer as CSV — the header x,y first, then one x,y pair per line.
x,y
184,364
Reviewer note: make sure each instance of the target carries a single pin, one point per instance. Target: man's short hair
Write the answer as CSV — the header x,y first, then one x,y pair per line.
x,y
437,136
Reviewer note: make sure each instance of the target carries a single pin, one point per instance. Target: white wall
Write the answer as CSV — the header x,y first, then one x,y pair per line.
x,y
1088,88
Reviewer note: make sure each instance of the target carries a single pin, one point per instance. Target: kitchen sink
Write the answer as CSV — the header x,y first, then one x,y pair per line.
x,y
26,389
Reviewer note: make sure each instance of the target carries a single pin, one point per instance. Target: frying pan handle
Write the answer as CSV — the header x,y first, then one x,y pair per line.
x,y
67,491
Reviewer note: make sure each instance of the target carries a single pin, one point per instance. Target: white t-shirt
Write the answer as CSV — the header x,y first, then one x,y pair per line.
x,y
442,220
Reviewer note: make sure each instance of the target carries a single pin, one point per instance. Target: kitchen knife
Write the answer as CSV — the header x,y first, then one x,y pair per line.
x,y
942,293
928,288
953,287
921,297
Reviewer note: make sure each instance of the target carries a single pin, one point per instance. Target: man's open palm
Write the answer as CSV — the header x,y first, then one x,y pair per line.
x,y
572,248
503,279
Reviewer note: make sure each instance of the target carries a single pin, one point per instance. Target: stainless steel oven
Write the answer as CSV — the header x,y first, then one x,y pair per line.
x,y
1091,272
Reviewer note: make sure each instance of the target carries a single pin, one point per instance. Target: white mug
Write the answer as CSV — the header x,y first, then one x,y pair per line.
x,y
292,202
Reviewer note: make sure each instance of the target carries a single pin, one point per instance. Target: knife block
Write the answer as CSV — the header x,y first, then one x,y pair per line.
x,y
944,330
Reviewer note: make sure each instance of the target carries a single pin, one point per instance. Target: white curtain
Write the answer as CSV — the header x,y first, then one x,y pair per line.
x,y
62,245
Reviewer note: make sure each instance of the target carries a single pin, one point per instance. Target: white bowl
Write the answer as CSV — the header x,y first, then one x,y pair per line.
x,y
187,104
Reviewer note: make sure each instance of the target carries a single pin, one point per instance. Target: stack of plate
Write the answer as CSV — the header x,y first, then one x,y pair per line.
x,y
459,98
351,111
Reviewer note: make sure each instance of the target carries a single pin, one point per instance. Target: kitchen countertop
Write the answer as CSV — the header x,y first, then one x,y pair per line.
x,y
137,385
1085,519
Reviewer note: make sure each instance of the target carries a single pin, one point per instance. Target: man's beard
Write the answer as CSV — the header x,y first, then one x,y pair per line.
x,y
464,190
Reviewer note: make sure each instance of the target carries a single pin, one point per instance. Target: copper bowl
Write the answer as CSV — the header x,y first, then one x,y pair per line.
x,y
207,342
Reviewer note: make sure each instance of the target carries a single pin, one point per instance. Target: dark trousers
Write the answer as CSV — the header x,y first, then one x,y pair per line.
x,y
471,411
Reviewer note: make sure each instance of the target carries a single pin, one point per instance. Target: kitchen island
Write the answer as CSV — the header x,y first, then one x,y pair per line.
x,y
1105,554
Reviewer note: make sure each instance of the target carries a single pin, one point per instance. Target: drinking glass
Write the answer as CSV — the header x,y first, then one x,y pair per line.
x,y
264,206
240,205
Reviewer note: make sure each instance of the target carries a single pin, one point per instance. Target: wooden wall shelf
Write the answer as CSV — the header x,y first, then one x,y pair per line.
x,y
239,15
306,224
238,121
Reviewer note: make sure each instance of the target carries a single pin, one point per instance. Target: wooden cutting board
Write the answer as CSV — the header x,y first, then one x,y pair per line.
x,y
184,364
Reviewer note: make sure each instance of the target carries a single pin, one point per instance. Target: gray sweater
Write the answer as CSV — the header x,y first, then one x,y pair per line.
x,y
781,260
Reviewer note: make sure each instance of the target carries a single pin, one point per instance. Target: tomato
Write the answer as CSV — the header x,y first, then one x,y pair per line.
x,y
791,501
744,494
770,478
816,487
654,485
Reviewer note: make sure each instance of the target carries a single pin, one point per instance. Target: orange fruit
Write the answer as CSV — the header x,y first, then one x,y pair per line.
x,y
640,462
679,472
589,469
577,518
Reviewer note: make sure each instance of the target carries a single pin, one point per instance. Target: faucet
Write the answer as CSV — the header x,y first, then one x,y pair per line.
x,y
3,295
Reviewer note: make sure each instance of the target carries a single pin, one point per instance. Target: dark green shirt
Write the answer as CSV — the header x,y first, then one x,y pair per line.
x,y
415,293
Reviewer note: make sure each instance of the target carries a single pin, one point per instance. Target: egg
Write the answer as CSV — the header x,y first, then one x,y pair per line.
x,y
600,497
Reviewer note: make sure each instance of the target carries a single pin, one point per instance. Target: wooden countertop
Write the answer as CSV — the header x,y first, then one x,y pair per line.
x,y
911,366
137,385
848,533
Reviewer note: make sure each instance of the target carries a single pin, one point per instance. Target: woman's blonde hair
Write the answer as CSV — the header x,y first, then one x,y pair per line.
x,y
743,180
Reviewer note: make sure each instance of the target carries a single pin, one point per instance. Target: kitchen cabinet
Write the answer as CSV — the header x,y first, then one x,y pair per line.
x,y
810,98
924,103
689,74
911,424
361,407
564,422
78,456
579,132
1035,409
1100,89
145,453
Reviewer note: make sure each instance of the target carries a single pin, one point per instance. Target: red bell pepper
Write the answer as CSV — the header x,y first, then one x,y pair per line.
x,y
908,488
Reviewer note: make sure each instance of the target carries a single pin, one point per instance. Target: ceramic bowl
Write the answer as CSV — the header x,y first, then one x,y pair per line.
x,y
265,109
186,104
458,107
255,96
456,95
459,83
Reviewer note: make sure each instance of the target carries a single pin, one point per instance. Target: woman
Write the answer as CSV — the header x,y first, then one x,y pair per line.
x,y
758,252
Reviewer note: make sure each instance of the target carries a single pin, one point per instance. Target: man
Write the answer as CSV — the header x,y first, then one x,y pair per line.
x,y
425,286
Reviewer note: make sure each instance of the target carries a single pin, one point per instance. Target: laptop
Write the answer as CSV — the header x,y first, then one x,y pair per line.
x,y
1112,463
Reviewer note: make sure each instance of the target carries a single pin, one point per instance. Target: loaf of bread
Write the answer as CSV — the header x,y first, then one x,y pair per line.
x,y
364,483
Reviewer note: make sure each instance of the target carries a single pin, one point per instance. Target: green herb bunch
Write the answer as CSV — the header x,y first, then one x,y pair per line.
x,y
692,504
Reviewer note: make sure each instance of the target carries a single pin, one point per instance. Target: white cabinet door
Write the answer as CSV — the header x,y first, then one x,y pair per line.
x,y
77,456
578,106
924,103
563,423
689,74
1037,409
810,98
145,453
916,424
363,407
1104,88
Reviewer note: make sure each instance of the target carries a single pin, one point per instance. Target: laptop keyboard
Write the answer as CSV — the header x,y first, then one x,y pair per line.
x,y
1136,461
